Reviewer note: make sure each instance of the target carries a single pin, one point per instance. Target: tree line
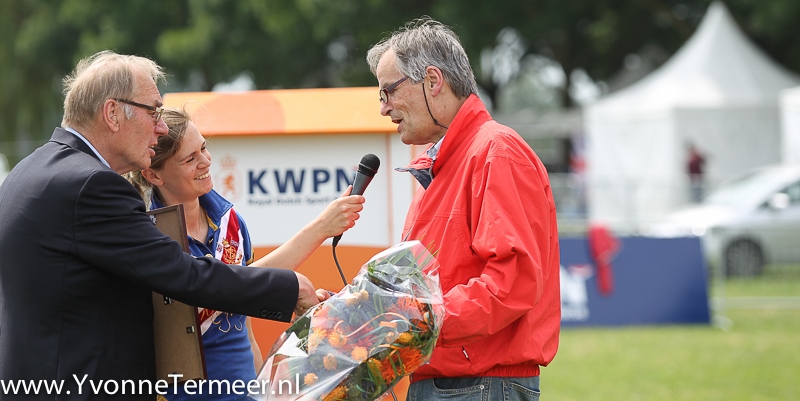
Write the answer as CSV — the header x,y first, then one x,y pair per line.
x,y
318,43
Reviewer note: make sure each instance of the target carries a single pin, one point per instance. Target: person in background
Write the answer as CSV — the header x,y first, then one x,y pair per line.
x,y
179,173
81,257
485,207
695,167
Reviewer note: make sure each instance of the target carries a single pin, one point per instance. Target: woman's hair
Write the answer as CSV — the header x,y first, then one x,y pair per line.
x,y
102,76
168,145
425,42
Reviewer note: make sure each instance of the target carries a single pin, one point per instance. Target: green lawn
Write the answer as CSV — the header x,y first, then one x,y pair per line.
x,y
776,281
758,358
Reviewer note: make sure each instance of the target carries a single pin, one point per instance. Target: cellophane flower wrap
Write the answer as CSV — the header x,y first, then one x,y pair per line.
x,y
360,342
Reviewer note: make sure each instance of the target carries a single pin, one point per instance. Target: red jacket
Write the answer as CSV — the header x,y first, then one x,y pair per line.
x,y
490,215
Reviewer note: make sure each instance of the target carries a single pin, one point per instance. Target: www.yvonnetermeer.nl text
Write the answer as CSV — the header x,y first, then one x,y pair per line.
x,y
132,387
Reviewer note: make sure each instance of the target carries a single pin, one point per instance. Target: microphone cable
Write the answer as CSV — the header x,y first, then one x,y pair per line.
x,y
336,260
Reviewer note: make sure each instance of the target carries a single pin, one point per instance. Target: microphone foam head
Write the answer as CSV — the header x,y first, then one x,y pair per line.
x,y
369,164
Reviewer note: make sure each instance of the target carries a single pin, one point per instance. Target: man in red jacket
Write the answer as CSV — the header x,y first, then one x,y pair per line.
x,y
486,208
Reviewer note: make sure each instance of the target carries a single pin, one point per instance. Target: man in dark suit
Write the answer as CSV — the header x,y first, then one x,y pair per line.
x,y
79,257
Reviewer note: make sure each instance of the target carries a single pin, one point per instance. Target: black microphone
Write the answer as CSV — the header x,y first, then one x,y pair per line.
x,y
366,170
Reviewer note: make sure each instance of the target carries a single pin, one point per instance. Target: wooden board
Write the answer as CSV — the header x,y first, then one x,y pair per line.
x,y
178,341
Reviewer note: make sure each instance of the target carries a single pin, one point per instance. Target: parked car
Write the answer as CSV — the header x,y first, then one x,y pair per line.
x,y
3,167
745,223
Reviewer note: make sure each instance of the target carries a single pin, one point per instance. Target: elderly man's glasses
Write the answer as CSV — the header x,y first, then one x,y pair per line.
x,y
157,110
385,92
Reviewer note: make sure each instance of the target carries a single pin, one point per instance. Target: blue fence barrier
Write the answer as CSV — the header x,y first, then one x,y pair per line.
x,y
656,281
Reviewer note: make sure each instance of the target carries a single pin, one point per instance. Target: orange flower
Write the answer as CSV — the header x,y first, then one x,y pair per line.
x,y
337,340
315,338
374,366
387,372
411,358
408,307
336,394
359,354
329,361
310,379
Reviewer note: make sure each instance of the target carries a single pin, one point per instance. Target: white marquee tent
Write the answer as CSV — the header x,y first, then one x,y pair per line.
x,y
719,92
790,125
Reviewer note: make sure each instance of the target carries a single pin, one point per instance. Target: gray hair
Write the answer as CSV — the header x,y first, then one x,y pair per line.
x,y
101,76
425,42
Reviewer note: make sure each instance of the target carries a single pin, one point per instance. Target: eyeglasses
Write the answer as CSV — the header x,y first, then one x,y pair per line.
x,y
391,88
157,110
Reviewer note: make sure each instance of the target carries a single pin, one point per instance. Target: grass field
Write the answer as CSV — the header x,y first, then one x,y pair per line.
x,y
757,358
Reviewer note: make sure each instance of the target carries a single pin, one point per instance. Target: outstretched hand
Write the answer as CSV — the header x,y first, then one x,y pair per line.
x,y
340,215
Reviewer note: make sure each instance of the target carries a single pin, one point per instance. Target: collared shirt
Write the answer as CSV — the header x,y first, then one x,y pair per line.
x,y
99,156
422,167
433,151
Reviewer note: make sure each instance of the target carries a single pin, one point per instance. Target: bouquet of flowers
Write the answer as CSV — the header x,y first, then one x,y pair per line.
x,y
360,342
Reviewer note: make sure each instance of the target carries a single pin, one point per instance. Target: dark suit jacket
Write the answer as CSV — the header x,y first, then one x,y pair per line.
x,y
79,259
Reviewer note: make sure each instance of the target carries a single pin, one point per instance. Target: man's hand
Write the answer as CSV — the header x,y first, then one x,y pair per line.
x,y
323,294
307,296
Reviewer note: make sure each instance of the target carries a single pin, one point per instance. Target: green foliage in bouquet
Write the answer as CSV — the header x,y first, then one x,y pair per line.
x,y
359,343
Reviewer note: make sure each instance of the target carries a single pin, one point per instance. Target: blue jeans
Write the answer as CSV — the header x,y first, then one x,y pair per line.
x,y
475,389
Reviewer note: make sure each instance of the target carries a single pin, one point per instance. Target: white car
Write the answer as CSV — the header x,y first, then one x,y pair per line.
x,y
745,223
3,167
